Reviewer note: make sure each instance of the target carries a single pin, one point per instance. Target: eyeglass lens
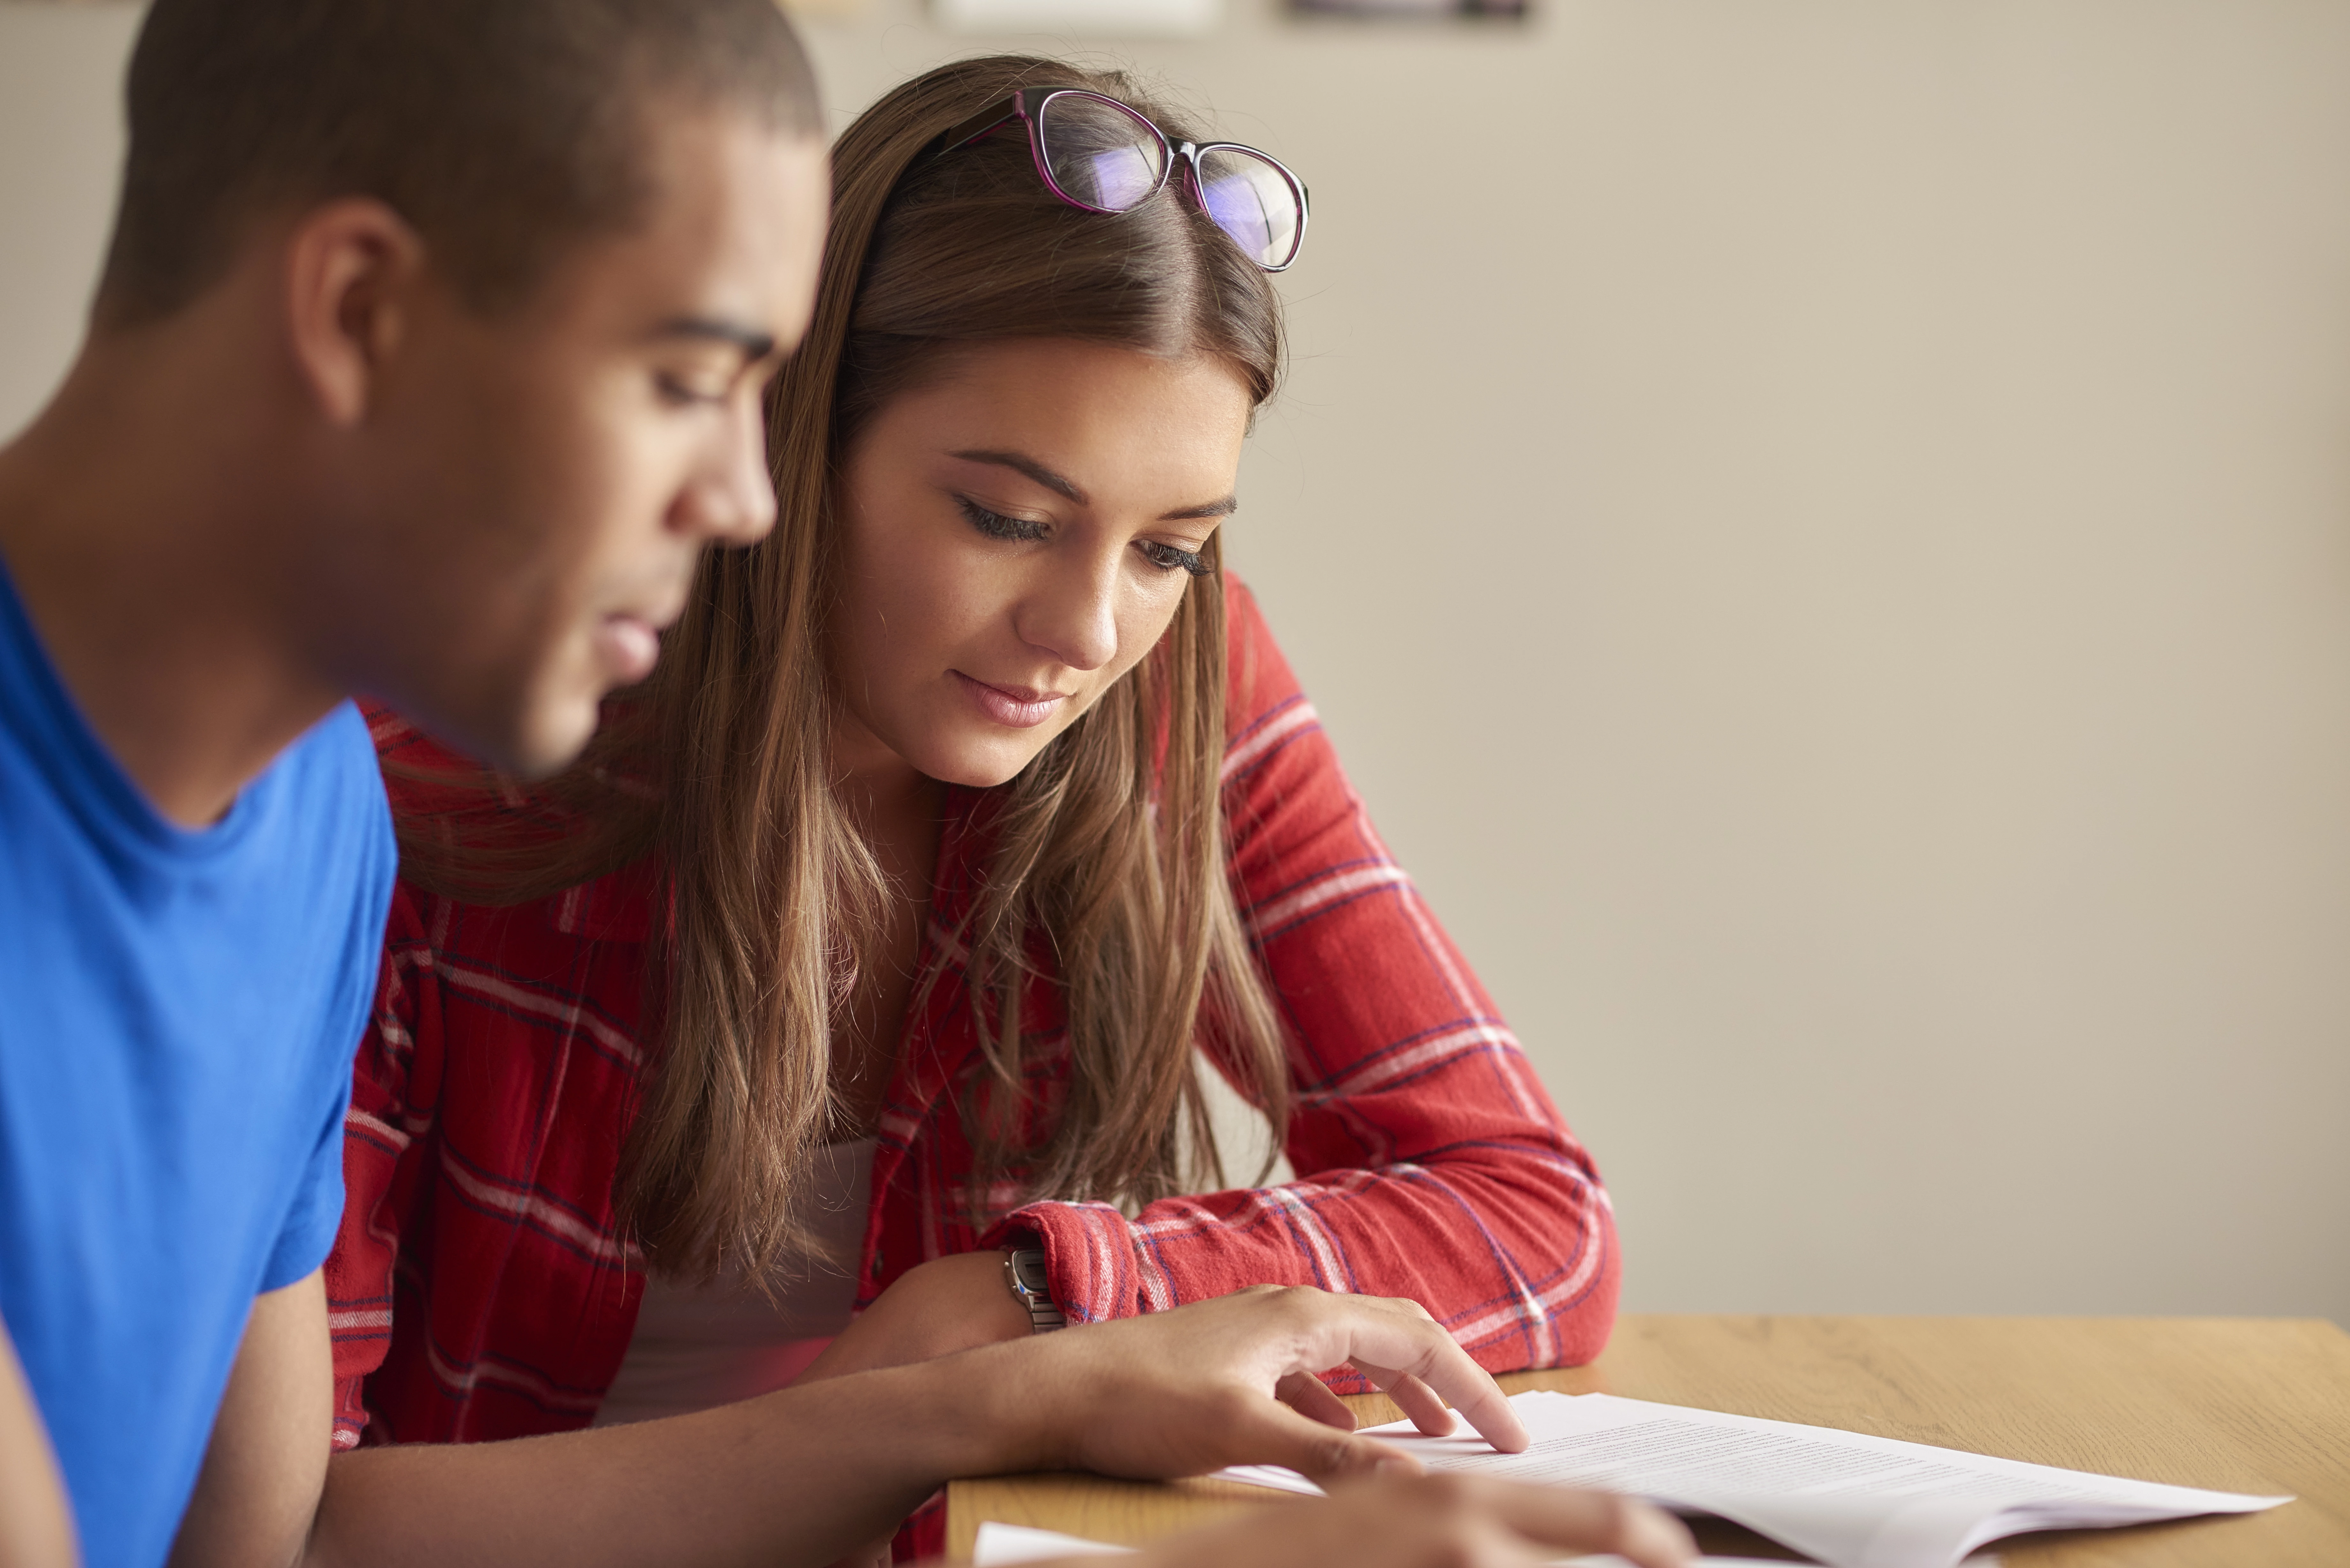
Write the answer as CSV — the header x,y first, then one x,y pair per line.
x,y
1249,199
1099,153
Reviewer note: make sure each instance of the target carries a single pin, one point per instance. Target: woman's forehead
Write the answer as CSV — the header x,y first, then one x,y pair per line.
x,y
1093,415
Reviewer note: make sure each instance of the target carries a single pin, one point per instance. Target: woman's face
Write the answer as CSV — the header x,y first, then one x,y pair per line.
x,y
1019,533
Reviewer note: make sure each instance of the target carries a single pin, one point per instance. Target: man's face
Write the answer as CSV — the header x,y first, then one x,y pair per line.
x,y
546,480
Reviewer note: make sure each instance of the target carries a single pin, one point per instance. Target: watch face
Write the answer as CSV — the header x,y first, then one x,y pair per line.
x,y
1028,1268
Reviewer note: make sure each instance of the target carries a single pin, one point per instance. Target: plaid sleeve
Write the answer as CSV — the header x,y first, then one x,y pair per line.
x,y
1431,1164
390,1111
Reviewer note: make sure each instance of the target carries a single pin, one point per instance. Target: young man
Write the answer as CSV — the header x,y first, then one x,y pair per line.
x,y
427,359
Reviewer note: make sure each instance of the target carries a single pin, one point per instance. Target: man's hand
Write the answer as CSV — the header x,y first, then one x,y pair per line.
x,y
1231,1381
936,1309
1430,1521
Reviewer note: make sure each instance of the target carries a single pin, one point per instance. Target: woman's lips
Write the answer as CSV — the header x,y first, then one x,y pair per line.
x,y
1018,707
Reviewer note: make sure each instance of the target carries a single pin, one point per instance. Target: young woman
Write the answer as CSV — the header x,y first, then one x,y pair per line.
x,y
876,944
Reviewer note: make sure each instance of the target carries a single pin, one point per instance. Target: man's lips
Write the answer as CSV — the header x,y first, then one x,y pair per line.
x,y
629,646
628,641
1015,707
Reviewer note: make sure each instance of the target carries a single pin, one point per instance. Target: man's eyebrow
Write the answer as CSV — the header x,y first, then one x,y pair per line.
x,y
1058,485
756,345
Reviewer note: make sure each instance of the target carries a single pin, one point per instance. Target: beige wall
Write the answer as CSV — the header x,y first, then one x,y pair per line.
x,y
1822,530
60,138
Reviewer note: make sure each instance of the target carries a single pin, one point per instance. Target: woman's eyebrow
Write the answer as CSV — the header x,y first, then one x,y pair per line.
x,y
1061,484
1224,508
1058,485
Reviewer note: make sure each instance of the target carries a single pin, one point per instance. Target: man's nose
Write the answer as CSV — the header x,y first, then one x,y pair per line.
x,y
733,501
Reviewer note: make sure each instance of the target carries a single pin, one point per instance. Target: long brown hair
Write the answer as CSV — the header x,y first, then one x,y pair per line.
x,y
1107,852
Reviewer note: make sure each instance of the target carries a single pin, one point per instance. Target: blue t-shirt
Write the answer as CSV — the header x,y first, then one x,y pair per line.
x,y
177,1013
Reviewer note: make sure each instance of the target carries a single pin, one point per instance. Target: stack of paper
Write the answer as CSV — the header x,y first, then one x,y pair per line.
x,y
1002,1545
1849,1501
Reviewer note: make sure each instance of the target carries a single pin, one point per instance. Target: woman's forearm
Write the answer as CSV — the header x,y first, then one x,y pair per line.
x,y
795,1478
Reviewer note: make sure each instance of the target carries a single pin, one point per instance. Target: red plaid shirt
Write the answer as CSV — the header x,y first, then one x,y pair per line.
x,y
484,1287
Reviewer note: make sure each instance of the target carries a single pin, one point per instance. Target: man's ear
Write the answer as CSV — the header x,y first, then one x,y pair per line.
x,y
353,269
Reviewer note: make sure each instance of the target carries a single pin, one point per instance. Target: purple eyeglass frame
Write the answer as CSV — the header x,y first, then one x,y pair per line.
x,y
1027,104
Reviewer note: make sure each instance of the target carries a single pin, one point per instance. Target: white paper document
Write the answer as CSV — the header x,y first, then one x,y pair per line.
x,y
1849,1501
1002,1545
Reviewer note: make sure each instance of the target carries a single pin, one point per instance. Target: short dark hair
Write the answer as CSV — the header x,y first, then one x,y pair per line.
x,y
504,131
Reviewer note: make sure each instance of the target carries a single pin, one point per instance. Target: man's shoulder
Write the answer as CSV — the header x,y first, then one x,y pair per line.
x,y
339,748
325,843
331,783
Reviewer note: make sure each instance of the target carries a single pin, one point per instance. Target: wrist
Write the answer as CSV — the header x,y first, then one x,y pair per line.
x,y
1009,1407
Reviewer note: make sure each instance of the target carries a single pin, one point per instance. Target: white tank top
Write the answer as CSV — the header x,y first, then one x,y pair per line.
x,y
695,1347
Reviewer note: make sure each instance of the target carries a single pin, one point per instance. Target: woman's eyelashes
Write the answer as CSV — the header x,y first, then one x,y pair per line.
x,y
1169,557
996,526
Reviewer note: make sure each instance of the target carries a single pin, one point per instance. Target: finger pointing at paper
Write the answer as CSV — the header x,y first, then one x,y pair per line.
x,y
1396,1345
1231,1381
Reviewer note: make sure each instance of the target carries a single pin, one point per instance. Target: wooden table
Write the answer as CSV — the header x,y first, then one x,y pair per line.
x,y
2237,1405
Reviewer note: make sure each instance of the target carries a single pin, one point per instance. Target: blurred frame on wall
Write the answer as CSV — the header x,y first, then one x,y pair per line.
x,y
1140,19
1413,10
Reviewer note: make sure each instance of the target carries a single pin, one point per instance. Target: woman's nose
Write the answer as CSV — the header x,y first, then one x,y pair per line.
x,y
1072,614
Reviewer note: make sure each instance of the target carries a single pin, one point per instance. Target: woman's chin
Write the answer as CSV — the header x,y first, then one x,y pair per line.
x,y
986,764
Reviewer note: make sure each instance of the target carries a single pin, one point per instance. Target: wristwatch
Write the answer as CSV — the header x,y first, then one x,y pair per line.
x,y
1024,1271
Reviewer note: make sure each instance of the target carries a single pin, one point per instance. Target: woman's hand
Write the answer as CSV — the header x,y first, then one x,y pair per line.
x,y
961,1303
1430,1521
1228,1381
1231,1381
933,1310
